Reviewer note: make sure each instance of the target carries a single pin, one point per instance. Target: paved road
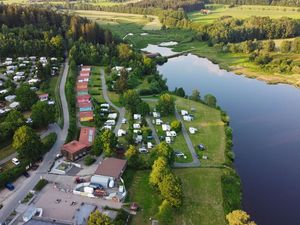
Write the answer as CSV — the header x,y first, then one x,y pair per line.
x,y
121,111
196,162
52,128
154,133
190,145
21,191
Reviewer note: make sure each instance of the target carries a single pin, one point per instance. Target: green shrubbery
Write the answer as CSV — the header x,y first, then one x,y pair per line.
x,y
231,190
49,141
89,160
40,185
71,99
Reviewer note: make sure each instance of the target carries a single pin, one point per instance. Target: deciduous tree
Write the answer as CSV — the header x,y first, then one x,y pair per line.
x,y
166,104
239,217
98,218
27,143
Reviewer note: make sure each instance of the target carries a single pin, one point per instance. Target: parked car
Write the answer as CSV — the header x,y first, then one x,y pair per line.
x,y
15,161
179,154
26,174
34,166
201,147
143,150
10,186
58,156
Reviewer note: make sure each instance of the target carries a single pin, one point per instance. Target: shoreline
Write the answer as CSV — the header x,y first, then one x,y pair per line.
x,y
244,71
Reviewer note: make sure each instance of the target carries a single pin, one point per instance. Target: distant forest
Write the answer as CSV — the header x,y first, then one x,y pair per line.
x,y
256,2
30,31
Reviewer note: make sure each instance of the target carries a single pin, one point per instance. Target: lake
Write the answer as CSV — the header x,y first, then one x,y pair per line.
x,y
266,128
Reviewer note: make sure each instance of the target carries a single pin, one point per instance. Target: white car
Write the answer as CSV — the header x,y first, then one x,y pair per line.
x,y
15,161
143,150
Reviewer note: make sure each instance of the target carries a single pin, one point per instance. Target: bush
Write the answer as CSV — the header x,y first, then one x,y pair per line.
x,y
165,214
12,174
89,160
143,92
40,185
49,141
231,190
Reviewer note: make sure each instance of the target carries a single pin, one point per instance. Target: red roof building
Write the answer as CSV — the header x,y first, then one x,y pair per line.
x,y
84,73
111,167
74,150
86,116
81,79
87,135
83,99
82,85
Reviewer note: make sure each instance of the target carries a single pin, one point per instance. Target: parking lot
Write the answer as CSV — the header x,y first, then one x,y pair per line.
x,y
62,205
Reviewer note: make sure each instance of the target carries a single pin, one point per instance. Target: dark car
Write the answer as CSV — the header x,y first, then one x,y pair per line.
x,y
26,174
201,147
10,186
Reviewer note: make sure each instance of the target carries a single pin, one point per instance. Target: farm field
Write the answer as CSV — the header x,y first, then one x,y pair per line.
x,y
244,11
147,22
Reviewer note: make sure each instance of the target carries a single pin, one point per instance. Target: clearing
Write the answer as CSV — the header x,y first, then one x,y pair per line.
x,y
244,11
148,22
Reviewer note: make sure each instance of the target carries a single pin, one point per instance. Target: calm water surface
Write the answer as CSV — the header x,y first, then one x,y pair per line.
x,y
266,127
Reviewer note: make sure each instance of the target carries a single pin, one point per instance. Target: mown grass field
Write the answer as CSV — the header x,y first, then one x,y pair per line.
x,y
202,203
210,130
111,18
244,11
6,151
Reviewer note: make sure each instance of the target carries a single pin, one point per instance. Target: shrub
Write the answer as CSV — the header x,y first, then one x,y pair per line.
x,y
40,185
89,160
49,141
231,190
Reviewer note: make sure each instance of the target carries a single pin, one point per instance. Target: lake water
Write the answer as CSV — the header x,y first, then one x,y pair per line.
x,y
266,128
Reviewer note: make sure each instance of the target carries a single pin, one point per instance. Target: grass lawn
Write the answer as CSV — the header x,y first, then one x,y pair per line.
x,y
6,151
179,143
202,204
244,11
210,130
141,192
148,22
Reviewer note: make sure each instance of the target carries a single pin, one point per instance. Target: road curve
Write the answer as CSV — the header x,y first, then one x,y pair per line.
x,y
21,191
121,111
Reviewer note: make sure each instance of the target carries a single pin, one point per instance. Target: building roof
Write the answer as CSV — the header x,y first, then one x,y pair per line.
x,y
86,114
84,73
87,135
111,167
82,89
83,97
82,84
85,105
74,146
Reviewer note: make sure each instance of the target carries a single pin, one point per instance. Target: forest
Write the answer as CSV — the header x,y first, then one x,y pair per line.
x,y
237,30
256,2
32,31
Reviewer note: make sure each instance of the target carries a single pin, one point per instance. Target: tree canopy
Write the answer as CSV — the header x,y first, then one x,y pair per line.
x,y
27,144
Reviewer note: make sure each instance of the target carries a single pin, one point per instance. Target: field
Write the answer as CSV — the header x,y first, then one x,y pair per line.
x,y
147,22
244,11
210,130
202,203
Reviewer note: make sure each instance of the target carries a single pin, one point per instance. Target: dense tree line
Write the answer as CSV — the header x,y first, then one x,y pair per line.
x,y
186,5
256,2
237,30
37,31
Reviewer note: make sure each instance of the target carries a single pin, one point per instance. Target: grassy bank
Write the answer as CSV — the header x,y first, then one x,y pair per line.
x,y
239,63
243,11
210,130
